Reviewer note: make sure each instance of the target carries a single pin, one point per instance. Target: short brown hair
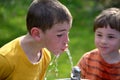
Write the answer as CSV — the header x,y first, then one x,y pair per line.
x,y
45,13
109,17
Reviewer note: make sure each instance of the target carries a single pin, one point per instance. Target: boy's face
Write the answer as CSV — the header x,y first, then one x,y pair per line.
x,y
56,39
107,40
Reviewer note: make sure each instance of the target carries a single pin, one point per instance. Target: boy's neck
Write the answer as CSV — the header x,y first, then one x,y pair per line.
x,y
111,58
32,52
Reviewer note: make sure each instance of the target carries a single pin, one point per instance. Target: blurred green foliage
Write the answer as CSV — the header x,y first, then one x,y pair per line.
x,y
12,25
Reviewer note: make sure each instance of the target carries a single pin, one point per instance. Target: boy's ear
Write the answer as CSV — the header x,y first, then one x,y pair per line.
x,y
36,33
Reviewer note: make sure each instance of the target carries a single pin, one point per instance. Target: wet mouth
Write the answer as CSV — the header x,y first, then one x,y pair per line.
x,y
66,48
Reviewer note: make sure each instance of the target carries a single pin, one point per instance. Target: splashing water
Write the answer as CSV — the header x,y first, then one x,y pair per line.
x,y
53,65
70,57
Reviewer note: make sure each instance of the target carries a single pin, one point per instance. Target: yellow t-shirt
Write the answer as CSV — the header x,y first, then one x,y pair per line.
x,y
14,64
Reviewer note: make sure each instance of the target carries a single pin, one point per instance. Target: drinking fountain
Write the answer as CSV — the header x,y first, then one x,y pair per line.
x,y
75,74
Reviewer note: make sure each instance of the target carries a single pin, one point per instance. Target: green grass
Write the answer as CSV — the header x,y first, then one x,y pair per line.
x,y
12,22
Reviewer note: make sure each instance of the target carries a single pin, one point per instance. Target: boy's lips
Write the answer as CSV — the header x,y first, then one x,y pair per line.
x,y
65,48
103,47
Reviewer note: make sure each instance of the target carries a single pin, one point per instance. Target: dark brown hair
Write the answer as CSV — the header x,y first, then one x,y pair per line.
x,y
44,14
109,17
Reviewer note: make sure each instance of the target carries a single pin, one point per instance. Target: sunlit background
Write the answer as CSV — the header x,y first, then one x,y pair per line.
x,y
12,25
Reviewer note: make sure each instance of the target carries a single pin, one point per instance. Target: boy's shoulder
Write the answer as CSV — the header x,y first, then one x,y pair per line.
x,y
7,49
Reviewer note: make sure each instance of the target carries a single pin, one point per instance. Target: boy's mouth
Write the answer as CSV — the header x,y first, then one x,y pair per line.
x,y
65,49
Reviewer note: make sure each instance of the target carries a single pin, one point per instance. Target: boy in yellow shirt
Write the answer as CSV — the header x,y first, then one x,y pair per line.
x,y
27,57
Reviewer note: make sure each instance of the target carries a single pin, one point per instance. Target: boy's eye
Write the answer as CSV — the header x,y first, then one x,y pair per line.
x,y
59,35
99,35
111,37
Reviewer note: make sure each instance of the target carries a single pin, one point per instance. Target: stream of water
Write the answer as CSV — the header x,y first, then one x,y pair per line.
x,y
54,63
70,57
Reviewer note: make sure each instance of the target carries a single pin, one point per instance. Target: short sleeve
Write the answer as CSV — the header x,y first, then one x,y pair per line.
x,y
5,68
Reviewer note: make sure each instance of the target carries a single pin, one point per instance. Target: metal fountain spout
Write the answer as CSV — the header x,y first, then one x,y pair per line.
x,y
75,75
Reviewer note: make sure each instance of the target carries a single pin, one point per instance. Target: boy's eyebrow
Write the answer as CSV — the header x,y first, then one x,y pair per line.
x,y
98,32
62,30
108,33
111,34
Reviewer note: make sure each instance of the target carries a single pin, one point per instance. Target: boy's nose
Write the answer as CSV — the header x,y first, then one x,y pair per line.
x,y
104,41
67,39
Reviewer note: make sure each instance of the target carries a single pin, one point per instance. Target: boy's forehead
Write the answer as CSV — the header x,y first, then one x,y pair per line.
x,y
107,29
62,26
